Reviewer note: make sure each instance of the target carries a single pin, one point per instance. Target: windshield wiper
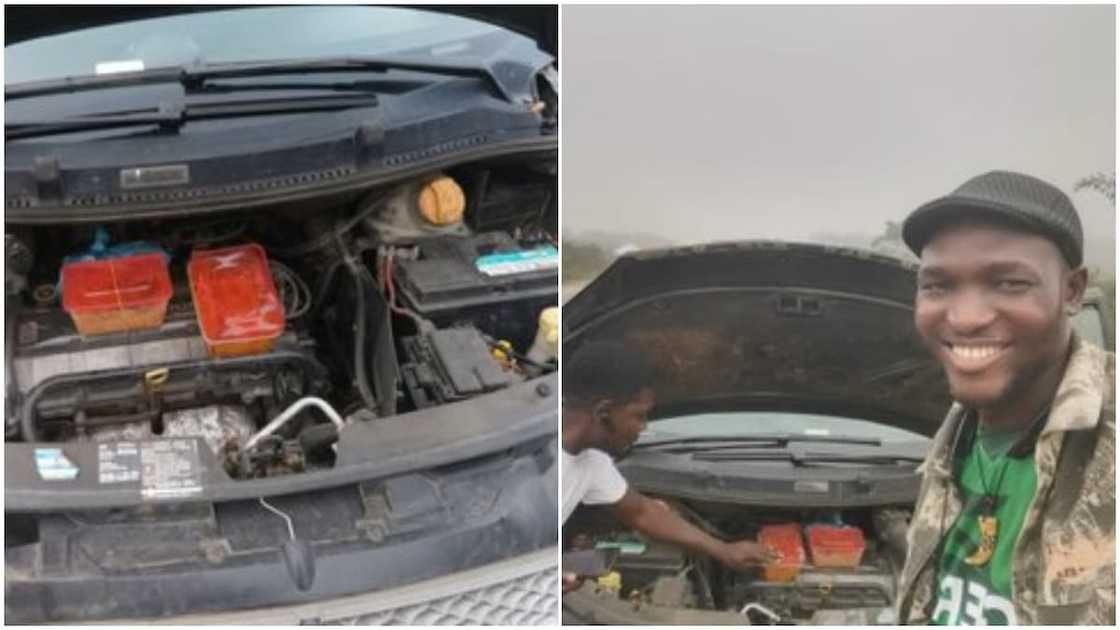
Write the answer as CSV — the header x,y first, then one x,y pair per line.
x,y
194,78
802,459
171,116
714,443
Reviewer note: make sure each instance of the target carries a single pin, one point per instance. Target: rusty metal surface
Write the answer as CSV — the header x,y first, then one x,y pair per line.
x,y
725,349
735,326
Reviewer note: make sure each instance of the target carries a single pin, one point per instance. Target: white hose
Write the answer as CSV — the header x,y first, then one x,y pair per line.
x,y
762,609
291,411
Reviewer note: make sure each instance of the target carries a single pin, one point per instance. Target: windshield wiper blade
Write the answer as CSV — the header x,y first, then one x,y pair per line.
x,y
174,115
196,77
885,458
802,459
376,86
714,443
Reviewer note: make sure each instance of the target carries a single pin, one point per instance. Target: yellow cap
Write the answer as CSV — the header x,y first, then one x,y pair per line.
x,y
611,582
550,326
502,350
442,201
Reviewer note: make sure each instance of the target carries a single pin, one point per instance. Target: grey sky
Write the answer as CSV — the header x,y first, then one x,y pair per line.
x,y
710,122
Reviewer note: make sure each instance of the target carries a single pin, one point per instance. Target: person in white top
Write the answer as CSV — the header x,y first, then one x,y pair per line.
x,y
607,398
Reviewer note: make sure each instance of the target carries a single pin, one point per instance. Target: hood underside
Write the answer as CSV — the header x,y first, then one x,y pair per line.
x,y
766,325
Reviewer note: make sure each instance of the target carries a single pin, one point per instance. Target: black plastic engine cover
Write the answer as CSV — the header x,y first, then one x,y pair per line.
x,y
450,364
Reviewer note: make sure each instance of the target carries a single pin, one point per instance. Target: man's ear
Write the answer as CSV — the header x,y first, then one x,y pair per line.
x,y
1076,281
601,411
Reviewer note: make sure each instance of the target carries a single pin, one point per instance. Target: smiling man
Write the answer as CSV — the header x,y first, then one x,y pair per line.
x,y
1015,520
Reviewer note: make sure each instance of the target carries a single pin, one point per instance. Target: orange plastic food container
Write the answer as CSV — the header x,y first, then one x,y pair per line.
x,y
836,546
116,294
786,540
235,299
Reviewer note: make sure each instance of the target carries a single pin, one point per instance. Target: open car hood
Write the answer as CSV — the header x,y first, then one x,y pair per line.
x,y
30,21
767,325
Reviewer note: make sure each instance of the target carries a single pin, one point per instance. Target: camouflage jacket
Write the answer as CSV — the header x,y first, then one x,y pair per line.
x,y
1065,557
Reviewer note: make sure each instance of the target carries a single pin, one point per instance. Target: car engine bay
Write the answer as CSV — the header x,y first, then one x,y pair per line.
x,y
266,332
810,584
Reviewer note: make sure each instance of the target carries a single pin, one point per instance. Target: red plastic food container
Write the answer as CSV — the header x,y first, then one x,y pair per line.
x,y
235,300
116,294
786,540
836,546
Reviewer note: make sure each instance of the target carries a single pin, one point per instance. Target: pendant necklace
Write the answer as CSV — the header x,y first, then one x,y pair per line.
x,y
987,520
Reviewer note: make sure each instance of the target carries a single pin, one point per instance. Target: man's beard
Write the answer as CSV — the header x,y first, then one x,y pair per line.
x,y
1021,383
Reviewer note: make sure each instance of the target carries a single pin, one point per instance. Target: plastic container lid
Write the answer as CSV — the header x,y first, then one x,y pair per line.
x,y
786,540
836,546
235,298
548,336
116,294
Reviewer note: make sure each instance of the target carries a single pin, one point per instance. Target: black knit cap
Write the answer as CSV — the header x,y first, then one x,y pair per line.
x,y
1012,198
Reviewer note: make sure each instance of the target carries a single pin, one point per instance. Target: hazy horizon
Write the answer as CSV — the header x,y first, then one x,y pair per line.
x,y
722,123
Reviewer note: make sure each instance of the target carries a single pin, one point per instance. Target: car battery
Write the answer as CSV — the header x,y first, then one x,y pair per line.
x,y
488,280
642,569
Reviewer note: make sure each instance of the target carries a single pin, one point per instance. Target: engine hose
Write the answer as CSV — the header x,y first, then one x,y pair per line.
x,y
11,385
705,584
367,205
327,281
371,285
766,612
361,373
290,412
324,287
27,418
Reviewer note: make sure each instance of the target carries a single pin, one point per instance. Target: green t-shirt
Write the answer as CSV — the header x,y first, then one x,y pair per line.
x,y
981,595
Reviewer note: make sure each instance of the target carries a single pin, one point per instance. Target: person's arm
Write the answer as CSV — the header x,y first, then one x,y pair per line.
x,y
570,582
656,521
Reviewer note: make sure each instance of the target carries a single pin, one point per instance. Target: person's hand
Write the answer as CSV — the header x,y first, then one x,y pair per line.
x,y
570,582
745,554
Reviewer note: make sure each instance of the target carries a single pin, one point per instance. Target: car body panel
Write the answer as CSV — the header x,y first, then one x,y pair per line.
x,y
769,325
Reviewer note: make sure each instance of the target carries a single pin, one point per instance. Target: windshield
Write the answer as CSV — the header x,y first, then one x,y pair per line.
x,y
754,423
242,35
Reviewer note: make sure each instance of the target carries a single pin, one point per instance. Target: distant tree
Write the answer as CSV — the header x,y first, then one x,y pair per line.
x,y
892,235
1104,280
890,242
1104,183
581,260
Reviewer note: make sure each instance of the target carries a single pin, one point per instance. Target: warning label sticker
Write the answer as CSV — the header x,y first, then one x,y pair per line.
x,y
118,462
506,263
170,469
53,465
